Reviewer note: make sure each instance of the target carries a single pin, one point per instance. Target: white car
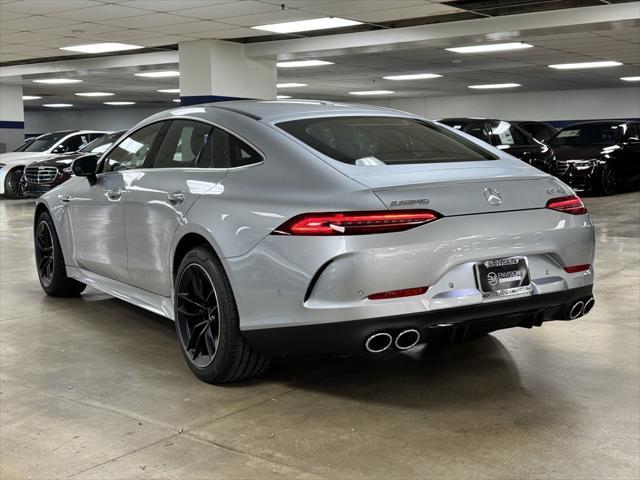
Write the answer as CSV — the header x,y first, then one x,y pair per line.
x,y
12,163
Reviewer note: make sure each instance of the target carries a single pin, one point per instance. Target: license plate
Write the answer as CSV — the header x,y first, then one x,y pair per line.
x,y
503,277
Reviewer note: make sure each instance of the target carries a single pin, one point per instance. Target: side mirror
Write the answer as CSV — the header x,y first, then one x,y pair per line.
x,y
85,166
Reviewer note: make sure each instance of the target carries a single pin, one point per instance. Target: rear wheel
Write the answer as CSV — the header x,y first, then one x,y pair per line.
x,y
13,184
207,322
607,184
50,262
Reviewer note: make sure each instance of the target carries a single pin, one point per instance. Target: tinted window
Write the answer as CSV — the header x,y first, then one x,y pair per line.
x,y
633,131
182,144
45,142
596,134
133,150
224,150
383,140
479,130
75,143
507,134
539,131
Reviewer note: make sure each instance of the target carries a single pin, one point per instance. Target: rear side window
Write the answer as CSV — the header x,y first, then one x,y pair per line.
x,y
364,140
224,150
507,134
182,144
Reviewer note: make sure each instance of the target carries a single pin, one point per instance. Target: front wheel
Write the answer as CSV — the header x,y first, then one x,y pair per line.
x,y
207,322
13,184
607,183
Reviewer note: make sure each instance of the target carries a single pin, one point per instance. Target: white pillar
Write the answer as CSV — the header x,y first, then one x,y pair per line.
x,y
11,117
215,70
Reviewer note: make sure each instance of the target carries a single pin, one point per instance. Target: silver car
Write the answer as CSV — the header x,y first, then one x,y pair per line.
x,y
271,227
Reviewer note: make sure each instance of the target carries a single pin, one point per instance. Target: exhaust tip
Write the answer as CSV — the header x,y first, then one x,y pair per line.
x,y
407,339
378,342
576,310
588,305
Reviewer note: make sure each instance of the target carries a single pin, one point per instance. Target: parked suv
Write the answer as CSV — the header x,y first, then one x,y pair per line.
x,y
43,175
12,163
505,136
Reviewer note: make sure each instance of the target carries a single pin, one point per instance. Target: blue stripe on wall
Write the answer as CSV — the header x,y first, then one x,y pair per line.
x,y
11,124
196,99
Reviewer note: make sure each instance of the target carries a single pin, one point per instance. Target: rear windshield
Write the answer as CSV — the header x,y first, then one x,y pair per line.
x,y
596,134
384,140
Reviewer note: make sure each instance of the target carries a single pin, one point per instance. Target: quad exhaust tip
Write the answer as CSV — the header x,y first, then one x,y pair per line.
x,y
588,305
576,310
407,339
378,342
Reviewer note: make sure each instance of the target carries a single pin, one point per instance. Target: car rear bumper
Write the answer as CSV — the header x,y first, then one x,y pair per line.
x,y
451,325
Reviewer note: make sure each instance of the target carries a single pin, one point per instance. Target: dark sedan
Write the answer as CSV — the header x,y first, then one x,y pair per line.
x,y
505,136
598,156
43,175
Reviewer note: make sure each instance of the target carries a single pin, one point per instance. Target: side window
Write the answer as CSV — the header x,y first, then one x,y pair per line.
x,y
133,150
225,150
75,143
479,130
632,132
507,134
182,144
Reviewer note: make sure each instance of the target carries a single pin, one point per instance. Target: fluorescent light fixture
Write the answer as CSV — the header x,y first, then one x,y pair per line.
x,y
95,94
571,66
412,76
282,97
307,25
57,81
177,100
495,47
158,74
495,85
626,79
291,85
372,92
119,103
57,105
101,47
170,90
30,97
303,63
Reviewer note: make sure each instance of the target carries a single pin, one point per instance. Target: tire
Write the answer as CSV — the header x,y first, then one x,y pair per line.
x,y
607,181
12,184
52,272
207,322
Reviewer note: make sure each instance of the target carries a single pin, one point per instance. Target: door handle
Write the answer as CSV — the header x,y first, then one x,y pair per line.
x,y
64,198
175,198
114,195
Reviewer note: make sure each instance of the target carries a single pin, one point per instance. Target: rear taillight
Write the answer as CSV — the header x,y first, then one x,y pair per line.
x,y
406,292
571,204
577,268
355,223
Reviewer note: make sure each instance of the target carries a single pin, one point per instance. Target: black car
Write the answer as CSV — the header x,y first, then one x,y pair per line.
x,y
598,156
539,130
43,175
505,136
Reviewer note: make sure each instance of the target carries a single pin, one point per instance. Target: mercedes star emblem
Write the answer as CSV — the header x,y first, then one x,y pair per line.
x,y
492,196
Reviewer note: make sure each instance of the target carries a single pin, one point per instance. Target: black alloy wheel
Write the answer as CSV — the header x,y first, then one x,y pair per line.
x,y
13,184
608,180
45,253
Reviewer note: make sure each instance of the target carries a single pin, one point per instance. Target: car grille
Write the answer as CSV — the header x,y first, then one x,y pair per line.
x,y
560,168
40,174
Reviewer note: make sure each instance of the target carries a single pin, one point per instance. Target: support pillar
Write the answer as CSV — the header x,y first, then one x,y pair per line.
x,y
11,117
215,71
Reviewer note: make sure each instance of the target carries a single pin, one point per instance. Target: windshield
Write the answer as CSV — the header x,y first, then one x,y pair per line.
x,y
367,140
100,145
24,145
600,134
45,142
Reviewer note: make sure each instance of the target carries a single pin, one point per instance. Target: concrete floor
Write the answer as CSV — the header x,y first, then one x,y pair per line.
x,y
95,388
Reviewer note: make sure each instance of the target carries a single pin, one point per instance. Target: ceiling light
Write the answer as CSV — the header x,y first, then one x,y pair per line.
x,y
496,47
412,76
282,97
373,92
571,66
626,79
158,74
291,85
95,94
30,97
101,47
495,85
57,105
307,25
303,63
57,81
119,103
170,90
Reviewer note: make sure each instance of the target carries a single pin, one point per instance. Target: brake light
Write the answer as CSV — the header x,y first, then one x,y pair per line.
x,y
571,204
577,268
355,223
407,292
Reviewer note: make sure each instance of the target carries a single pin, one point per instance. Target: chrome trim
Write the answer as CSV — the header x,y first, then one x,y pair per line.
x,y
410,344
576,310
385,335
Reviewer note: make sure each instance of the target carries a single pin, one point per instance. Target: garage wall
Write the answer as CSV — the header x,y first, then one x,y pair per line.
x,y
38,121
555,105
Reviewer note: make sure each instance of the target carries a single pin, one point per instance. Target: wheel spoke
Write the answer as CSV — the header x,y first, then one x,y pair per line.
x,y
185,296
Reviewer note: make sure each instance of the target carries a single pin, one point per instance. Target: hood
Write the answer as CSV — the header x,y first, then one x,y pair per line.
x,y
21,158
61,161
569,152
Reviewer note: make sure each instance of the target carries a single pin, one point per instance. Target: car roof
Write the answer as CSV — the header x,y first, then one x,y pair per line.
x,y
602,122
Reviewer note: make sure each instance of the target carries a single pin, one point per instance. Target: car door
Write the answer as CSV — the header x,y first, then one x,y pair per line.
x,y
629,153
511,139
158,197
97,211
